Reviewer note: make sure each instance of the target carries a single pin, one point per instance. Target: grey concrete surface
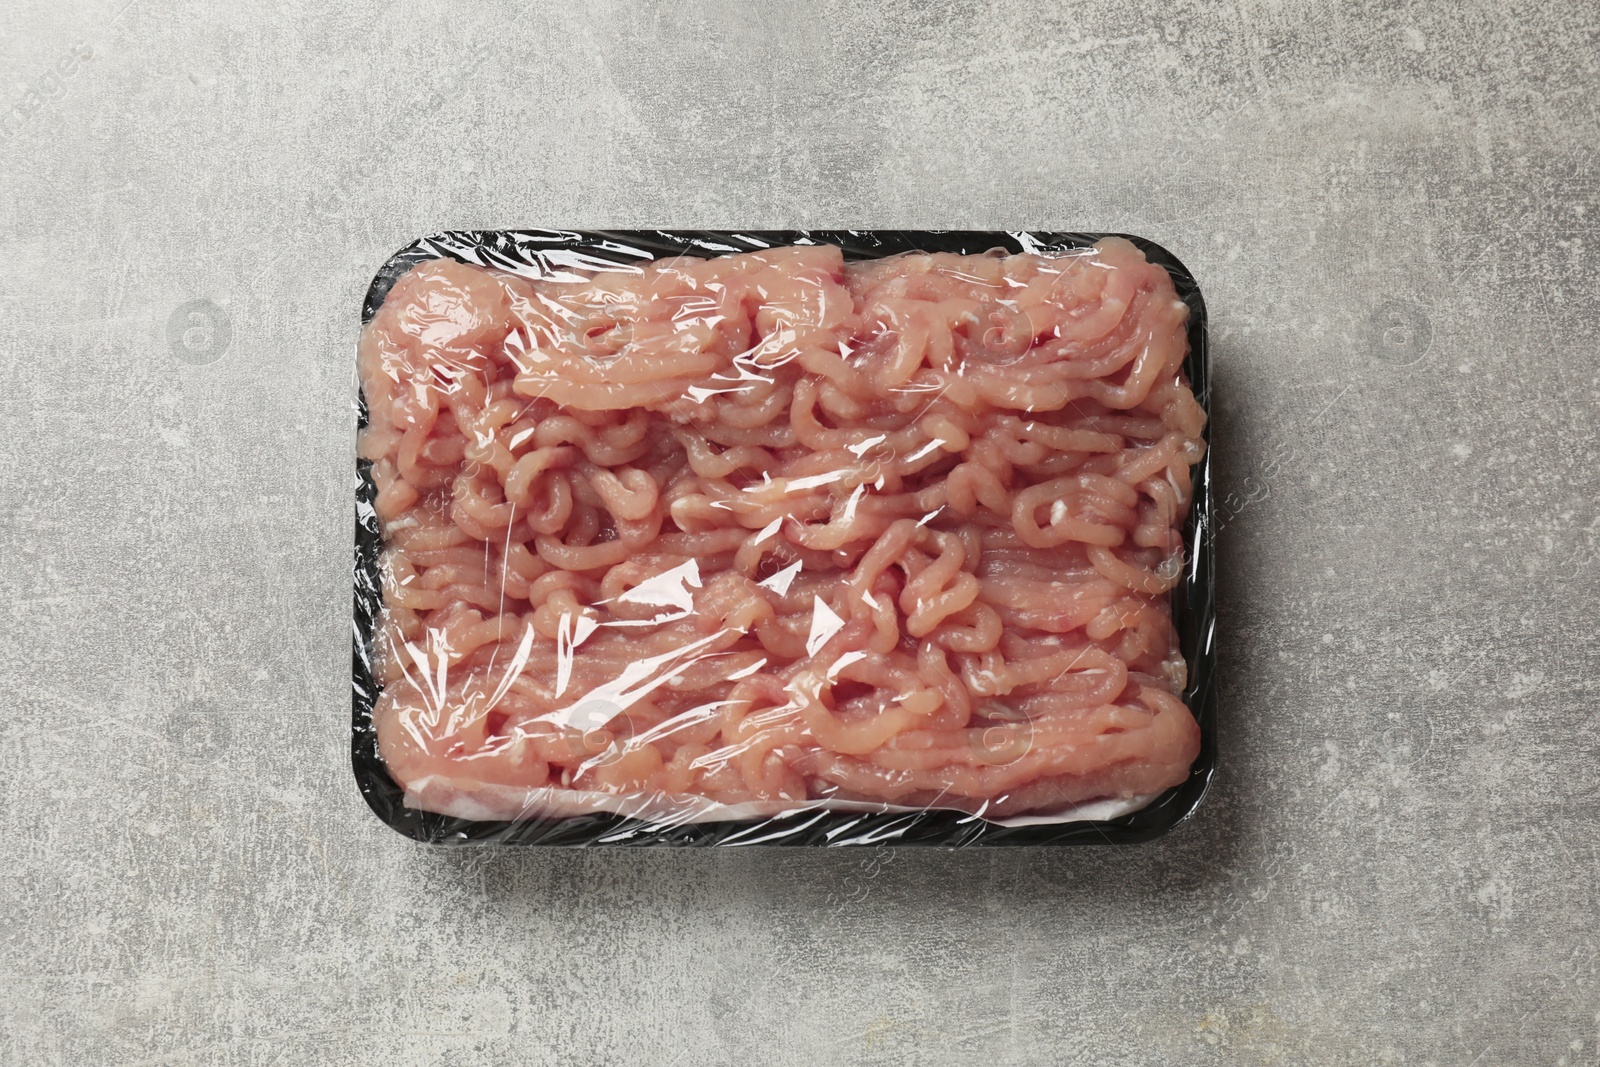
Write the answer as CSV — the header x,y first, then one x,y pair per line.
x,y
1393,210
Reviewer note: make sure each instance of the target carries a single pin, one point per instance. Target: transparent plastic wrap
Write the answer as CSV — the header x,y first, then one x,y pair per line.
x,y
801,537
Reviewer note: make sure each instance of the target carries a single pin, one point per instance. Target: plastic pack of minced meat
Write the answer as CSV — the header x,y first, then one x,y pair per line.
x,y
799,538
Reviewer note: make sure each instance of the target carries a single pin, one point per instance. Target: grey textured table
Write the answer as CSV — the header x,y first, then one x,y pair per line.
x,y
1393,211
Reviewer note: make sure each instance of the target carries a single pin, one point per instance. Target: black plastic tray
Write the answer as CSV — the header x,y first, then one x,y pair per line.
x,y
1192,599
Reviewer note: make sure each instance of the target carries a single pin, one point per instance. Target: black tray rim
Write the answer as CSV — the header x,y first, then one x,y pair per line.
x,y
1193,600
